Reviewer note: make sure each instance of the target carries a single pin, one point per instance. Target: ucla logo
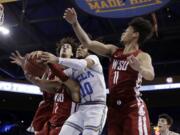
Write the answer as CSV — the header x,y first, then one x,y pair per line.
x,y
120,8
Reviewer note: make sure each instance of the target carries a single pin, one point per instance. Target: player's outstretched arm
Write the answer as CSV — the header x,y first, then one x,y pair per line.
x,y
77,64
95,46
50,86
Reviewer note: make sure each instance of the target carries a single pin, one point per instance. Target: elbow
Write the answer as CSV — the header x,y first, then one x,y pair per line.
x,y
76,94
76,97
76,100
150,77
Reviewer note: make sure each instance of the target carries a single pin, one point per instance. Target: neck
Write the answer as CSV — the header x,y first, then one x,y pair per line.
x,y
165,132
131,47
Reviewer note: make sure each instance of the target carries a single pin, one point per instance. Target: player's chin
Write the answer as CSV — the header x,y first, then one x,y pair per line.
x,y
122,41
63,55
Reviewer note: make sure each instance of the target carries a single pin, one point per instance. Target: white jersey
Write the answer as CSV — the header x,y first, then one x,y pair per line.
x,y
91,80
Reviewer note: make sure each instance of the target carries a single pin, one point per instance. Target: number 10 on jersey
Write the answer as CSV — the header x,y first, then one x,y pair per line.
x,y
86,89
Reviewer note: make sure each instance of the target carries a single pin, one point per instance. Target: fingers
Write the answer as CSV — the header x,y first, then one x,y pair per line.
x,y
73,10
37,78
13,54
12,58
18,54
130,59
35,54
68,12
45,76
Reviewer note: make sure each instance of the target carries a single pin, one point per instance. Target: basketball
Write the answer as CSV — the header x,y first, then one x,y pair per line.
x,y
33,67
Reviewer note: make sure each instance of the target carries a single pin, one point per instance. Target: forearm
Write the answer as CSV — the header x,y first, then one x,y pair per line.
x,y
52,83
58,71
74,89
49,90
77,64
50,86
93,45
81,34
154,18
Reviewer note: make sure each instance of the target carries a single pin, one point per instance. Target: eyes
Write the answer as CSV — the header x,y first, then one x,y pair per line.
x,y
67,46
162,121
81,47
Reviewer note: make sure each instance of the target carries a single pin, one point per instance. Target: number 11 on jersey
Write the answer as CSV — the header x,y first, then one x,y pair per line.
x,y
116,77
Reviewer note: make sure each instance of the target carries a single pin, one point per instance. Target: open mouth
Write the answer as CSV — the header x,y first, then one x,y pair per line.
x,y
79,53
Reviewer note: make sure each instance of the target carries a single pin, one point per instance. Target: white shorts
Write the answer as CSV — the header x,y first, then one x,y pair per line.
x,y
89,119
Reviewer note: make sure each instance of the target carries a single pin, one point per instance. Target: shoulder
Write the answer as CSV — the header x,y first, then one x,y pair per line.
x,y
91,56
143,56
173,133
111,49
94,58
117,51
94,63
114,49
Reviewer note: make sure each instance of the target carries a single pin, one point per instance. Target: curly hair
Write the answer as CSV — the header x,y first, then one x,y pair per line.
x,y
144,27
66,40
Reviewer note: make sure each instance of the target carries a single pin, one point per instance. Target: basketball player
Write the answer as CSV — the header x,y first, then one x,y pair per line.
x,y
62,104
164,123
45,106
91,114
127,113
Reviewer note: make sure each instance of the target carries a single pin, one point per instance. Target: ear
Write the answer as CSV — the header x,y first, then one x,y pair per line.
x,y
169,126
136,34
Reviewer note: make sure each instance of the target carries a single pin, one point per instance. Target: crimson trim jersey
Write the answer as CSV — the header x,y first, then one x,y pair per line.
x,y
126,108
63,105
54,109
123,80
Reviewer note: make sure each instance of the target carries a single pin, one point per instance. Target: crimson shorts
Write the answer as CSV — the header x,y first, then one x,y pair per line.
x,y
48,130
42,115
129,119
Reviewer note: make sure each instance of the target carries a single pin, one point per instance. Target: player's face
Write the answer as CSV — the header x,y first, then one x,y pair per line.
x,y
163,125
66,51
128,35
81,52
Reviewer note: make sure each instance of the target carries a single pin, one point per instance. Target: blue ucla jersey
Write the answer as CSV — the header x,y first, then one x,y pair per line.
x,y
91,81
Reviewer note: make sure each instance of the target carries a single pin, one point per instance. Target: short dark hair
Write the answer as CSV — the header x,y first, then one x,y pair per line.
x,y
144,27
167,117
66,40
